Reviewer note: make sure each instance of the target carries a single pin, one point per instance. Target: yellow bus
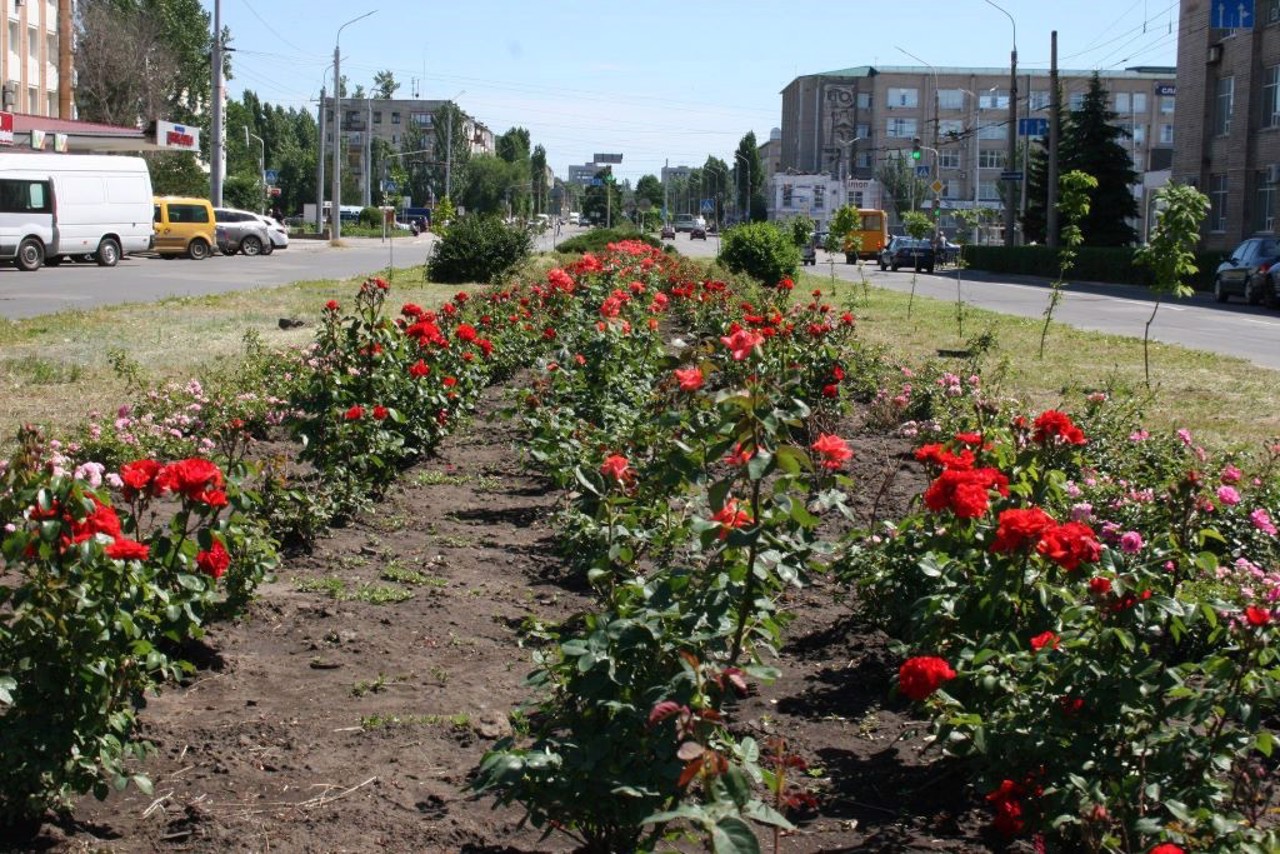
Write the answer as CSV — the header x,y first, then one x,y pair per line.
x,y
869,234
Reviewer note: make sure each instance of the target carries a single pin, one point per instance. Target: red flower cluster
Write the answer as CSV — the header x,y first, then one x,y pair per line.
x,y
1044,639
195,479
1052,426
1007,801
832,451
1069,545
965,492
731,517
214,561
741,342
1019,528
616,467
940,455
920,676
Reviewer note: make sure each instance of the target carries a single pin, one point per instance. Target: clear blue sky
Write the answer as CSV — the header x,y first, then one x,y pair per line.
x,y
657,80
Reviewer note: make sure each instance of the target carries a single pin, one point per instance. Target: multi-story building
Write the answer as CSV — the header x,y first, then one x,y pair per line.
x,y
1228,126
847,122
33,69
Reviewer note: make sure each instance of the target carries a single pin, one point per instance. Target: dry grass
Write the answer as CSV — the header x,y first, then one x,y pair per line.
x,y
55,369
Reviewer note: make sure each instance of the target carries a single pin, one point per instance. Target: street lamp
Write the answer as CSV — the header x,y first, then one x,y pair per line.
x,y
448,150
262,163
746,209
335,205
320,159
1011,190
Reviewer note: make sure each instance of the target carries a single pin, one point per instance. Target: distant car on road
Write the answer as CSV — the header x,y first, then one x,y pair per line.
x,y
668,232
1238,274
242,231
685,222
276,230
698,232
908,252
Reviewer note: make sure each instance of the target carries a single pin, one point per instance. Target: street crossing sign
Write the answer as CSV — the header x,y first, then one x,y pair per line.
x,y
922,171
272,175
708,205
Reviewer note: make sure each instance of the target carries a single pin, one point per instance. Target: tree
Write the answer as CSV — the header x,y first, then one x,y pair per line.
x,y
1073,206
138,60
176,173
1091,146
452,151
491,185
1171,252
717,176
513,146
385,85
603,203
538,177
649,187
748,177
1034,218
898,177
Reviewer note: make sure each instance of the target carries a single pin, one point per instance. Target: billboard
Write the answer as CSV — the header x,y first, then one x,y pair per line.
x,y
606,158
6,128
179,137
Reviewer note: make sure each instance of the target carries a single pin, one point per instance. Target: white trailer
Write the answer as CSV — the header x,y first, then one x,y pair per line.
x,y
54,206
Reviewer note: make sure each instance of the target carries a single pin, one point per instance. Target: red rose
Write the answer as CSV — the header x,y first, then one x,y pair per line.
x,y
730,517
1020,528
465,333
1257,617
1070,545
355,413
139,477
616,467
1044,639
419,369
965,493
196,479
1099,586
331,305
126,549
215,561
380,412
920,676
690,379
832,451
1055,426
939,455
1167,848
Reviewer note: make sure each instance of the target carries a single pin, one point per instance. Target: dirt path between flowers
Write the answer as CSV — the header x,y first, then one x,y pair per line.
x,y
346,712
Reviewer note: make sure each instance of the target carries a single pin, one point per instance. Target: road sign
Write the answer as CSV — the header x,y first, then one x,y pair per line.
x,y
389,186
1033,127
708,206
274,192
922,171
937,186
597,182
1010,176
1231,14
272,175
606,158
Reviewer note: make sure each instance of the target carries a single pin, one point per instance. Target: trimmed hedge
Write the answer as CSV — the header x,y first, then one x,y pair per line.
x,y
1092,264
598,239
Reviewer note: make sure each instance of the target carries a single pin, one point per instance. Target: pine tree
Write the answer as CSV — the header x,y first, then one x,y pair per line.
x,y
1091,144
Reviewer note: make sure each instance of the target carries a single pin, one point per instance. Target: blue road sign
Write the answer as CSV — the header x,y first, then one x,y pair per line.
x,y
271,175
1010,176
1231,14
389,186
708,205
922,171
597,182
1033,127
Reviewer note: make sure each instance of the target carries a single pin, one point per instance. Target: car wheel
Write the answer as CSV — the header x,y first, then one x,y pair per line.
x,y
251,246
30,255
893,268
108,252
1219,292
268,247
929,270
1252,291
198,250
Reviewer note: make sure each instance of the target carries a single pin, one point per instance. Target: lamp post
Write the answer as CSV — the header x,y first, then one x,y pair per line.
x,y
937,121
320,159
335,205
1011,190
217,156
262,163
746,208
448,148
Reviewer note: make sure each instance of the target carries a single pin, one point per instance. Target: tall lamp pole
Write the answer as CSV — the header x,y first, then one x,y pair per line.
x,y
335,204
937,123
262,164
1011,187
216,154
448,149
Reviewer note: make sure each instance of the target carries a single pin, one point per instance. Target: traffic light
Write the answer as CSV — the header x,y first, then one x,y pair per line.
x,y
915,149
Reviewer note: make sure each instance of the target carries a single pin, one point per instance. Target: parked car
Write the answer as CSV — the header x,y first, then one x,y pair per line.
x,y
277,231
1237,275
698,232
184,226
908,252
684,222
948,252
809,253
668,231
1267,283
242,231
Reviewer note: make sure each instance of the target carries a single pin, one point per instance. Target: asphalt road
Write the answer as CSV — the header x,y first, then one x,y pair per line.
x,y
1234,329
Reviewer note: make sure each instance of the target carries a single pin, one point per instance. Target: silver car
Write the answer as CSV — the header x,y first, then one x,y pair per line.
x,y
278,233
242,231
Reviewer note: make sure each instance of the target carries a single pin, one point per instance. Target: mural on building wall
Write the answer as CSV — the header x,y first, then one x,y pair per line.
x,y
839,126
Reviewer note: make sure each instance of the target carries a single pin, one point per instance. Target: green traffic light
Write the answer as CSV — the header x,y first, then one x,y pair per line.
x,y
915,155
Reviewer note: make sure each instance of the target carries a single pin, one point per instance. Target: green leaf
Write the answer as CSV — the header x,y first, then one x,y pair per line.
x,y
792,460
1264,742
732,835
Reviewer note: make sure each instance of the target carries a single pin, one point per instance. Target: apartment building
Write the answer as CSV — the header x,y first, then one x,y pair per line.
x,y
390,120
1229,115
847,122
30,61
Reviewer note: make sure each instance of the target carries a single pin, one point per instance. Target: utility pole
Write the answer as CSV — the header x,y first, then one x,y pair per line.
x,y
335,192
1055,135
448,154
320,170
216,153
368,152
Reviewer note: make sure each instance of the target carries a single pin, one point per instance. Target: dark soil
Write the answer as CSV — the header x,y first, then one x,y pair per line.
x,y
344,724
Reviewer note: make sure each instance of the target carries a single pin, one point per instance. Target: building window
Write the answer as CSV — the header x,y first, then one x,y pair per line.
x,y
377,117
395,118
819,196
1271,96
989,190
993,131
1166,133
33,100
395,139
1224,103
1218,203
1264,204
1131,102
422,120
1166,104
864,159
997,99
51,48
1139,132
33,43
991,158
950,128
904,98
1039,101
901,128
864,100
949,159
14,44
862,131
786,195
951,99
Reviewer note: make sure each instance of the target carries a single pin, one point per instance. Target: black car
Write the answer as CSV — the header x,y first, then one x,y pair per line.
x,y
908,252
668,232
698,232
1266,283
1238,274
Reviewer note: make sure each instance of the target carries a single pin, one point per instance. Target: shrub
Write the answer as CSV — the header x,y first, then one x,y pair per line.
x,y
761,250
370,217
478,249
598,239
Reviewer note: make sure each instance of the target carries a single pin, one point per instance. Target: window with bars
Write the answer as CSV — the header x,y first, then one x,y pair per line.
x,y
786,195
819,196
1218,203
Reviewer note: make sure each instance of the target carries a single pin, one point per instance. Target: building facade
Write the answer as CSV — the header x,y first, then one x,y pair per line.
x,y
32,62
1229,117
848,122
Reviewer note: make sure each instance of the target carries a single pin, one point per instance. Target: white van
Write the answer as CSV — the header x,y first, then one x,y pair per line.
x,y
57,205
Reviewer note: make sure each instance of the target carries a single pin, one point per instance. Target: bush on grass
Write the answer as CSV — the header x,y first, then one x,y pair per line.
x,y
762,250
478,249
